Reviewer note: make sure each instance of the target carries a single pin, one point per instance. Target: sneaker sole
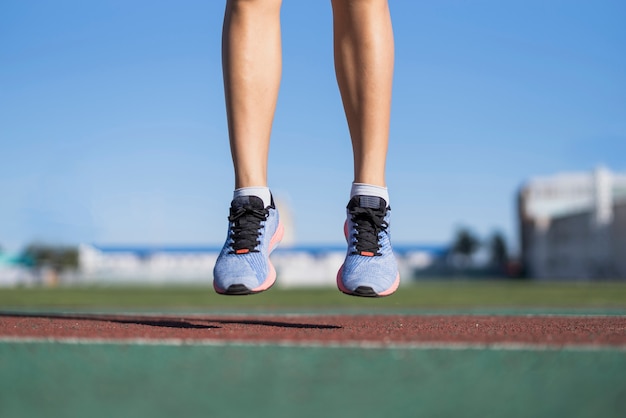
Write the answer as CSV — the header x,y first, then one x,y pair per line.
x,y
241,289
366,291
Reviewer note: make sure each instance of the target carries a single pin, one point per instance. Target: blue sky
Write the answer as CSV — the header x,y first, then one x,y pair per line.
x,y
113,129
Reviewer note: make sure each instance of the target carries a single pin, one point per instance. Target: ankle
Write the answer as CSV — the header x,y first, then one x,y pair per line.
x,y
262,192
363,189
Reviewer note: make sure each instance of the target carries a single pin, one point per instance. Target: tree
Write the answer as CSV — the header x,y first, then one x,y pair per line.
x,y
56,257
499,253
465,245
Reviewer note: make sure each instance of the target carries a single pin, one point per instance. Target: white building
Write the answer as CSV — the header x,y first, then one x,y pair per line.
x,y
573,226
295,266
144,264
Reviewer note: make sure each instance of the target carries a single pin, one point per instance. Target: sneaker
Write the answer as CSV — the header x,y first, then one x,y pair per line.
x,y
243,266
370,268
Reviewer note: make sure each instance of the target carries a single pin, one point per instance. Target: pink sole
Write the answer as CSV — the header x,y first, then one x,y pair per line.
x,y
271,275
387,292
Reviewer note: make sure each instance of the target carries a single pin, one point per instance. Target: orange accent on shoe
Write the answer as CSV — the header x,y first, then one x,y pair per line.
x,y
242,251
367,253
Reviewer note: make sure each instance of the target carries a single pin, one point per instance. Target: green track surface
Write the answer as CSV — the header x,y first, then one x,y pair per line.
x,y
60,380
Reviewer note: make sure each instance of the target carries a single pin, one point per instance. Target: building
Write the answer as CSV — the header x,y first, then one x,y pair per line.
x,y
573,226
16,270
146,264
295,265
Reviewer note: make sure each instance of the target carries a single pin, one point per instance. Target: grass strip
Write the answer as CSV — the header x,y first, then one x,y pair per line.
x,y
423,295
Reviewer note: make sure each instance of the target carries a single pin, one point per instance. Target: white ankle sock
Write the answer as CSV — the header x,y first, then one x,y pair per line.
x,y
363,189
262,192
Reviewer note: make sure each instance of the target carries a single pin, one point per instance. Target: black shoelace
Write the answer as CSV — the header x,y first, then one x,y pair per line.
x,y
369,223
246,228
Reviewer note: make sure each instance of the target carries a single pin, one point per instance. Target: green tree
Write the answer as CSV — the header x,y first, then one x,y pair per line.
x,y
465,245
56,257
499,253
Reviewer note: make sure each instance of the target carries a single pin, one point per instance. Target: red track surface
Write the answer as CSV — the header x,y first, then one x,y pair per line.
x,y
320,329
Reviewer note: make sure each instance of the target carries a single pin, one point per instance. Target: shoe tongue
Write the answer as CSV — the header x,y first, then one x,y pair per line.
x,y
373,202
254,201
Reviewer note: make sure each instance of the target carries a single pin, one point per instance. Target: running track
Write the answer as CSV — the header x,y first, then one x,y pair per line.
x,y
279,365
351,330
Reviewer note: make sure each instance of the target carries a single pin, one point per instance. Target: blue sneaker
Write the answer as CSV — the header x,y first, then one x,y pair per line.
x,y
243,266
370,268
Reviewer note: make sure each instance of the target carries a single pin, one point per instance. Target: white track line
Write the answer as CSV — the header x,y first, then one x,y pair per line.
x,y
178,342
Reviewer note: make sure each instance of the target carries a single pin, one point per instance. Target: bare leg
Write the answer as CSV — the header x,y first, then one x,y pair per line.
x,y
252,64
364,54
